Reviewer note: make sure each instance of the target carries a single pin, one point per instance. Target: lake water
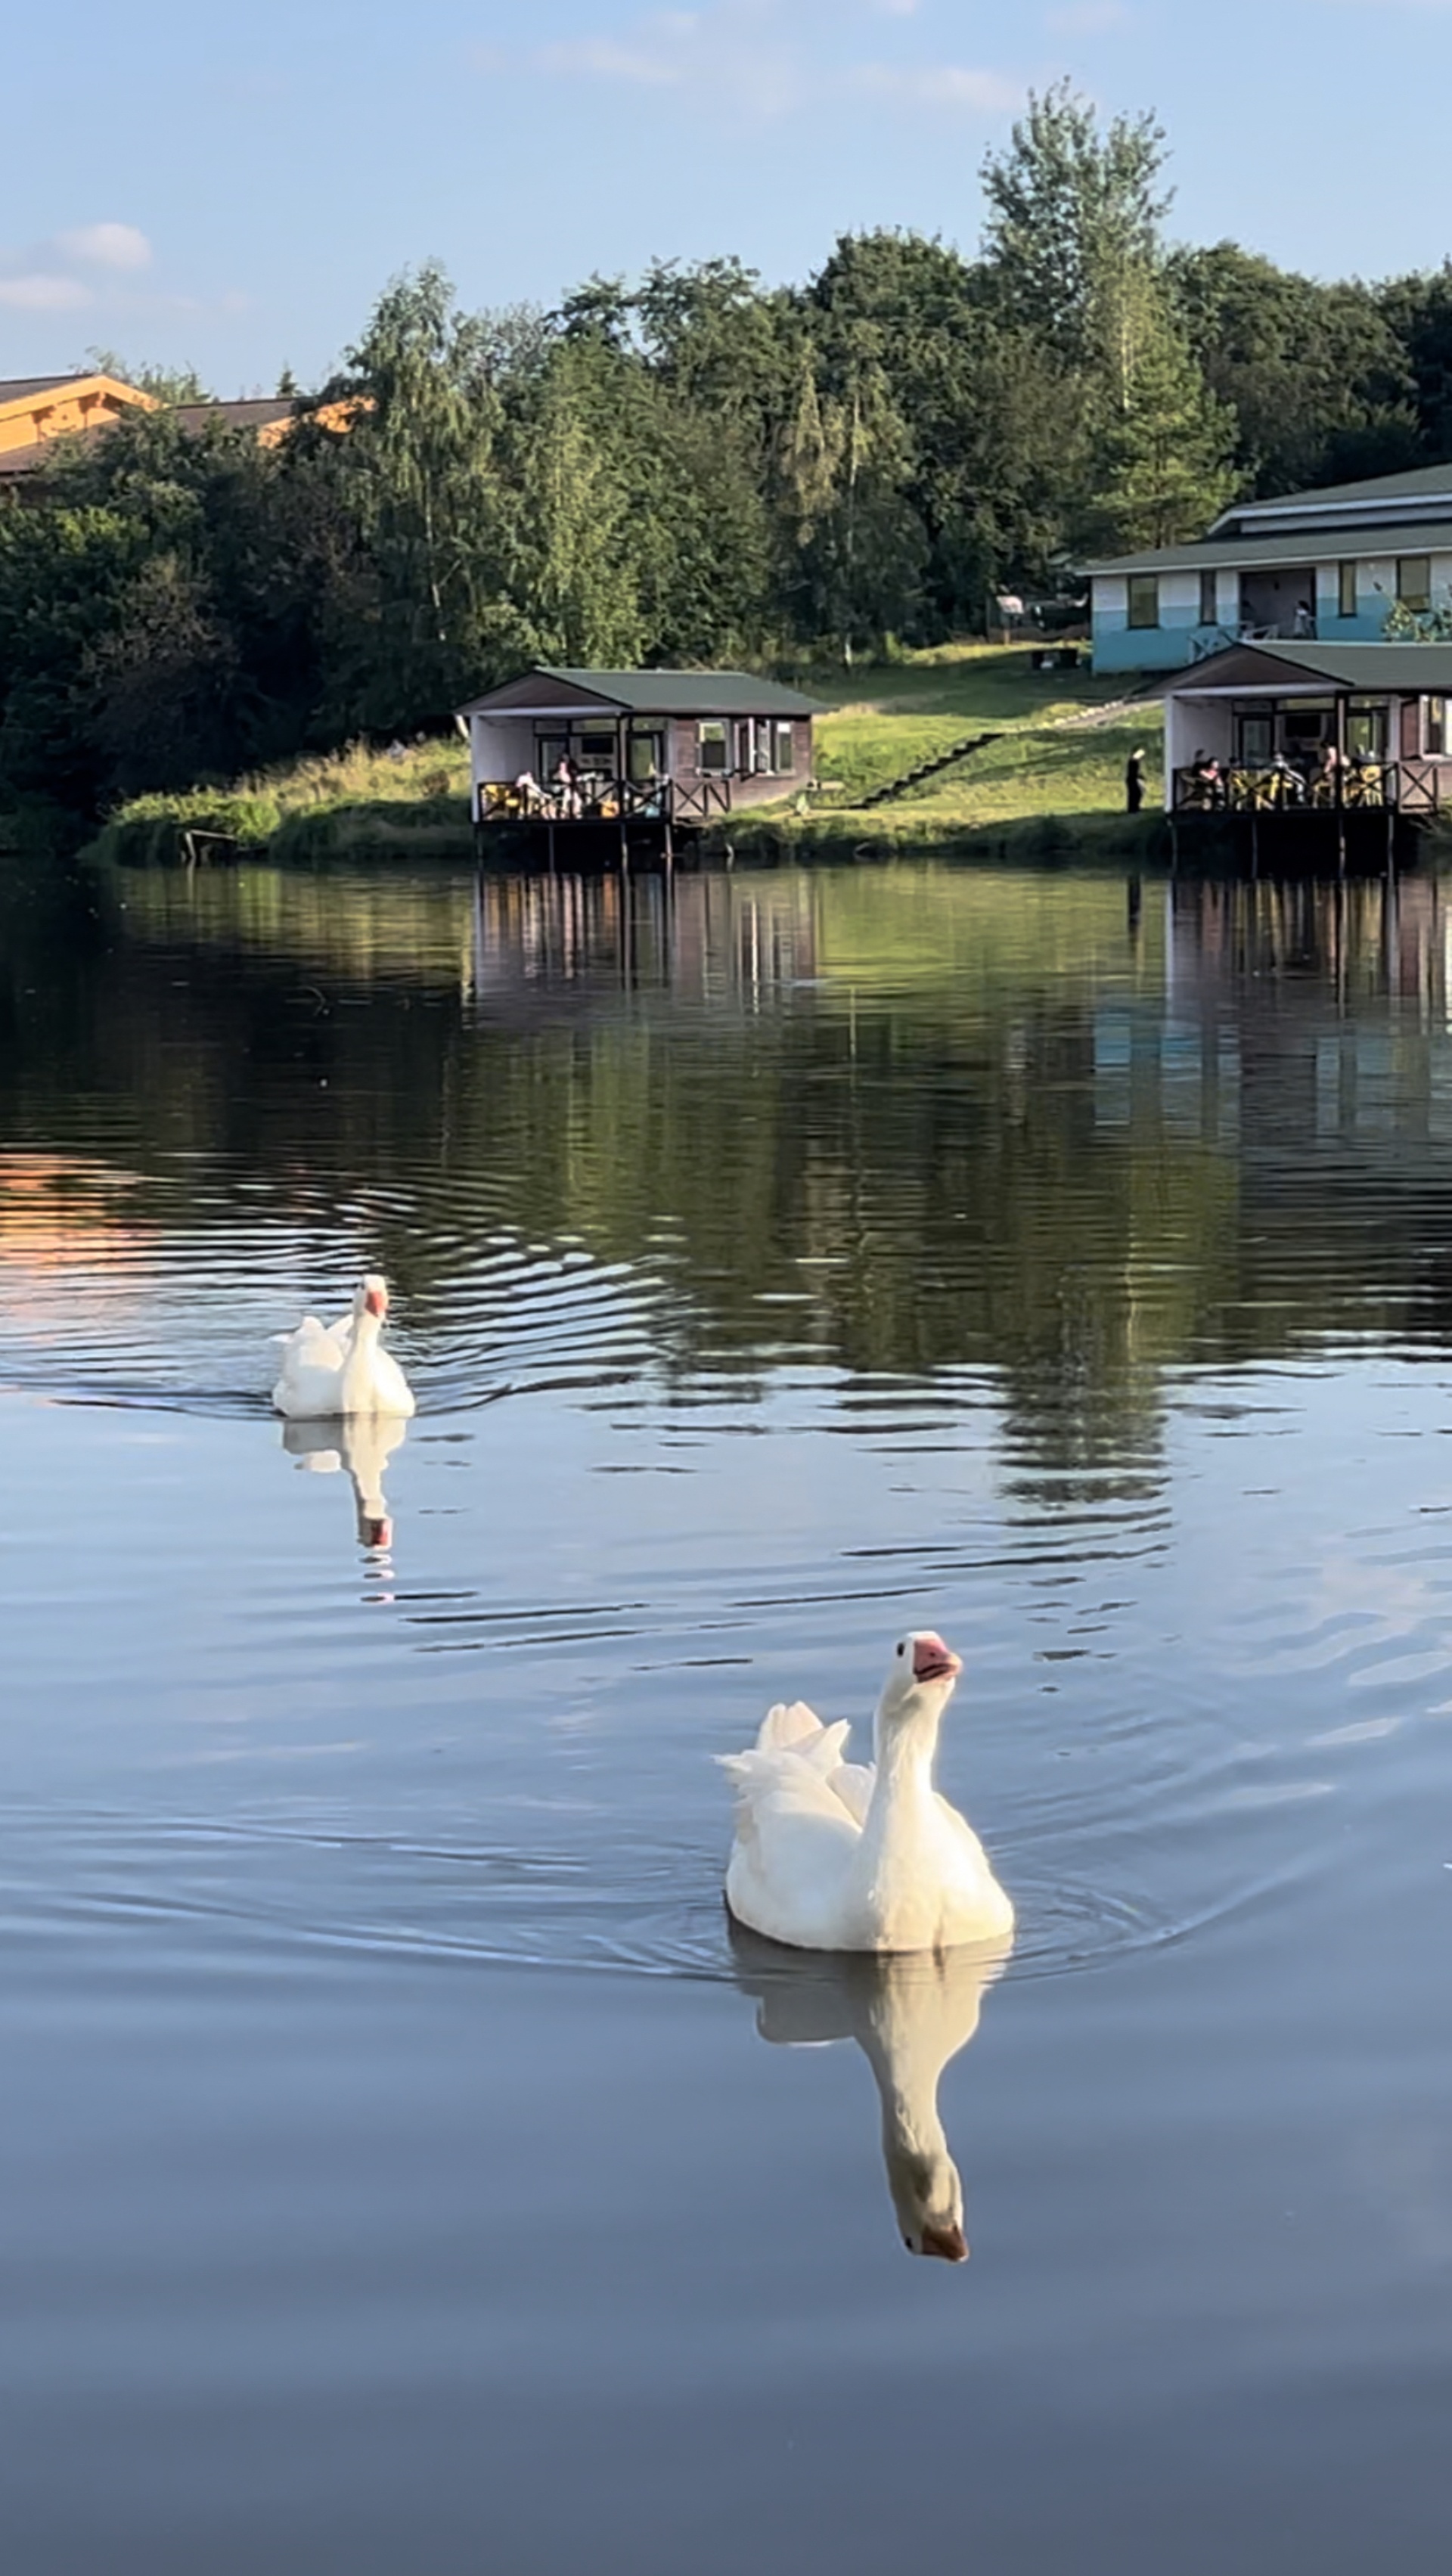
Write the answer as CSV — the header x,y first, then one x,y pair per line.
x,y
400,2169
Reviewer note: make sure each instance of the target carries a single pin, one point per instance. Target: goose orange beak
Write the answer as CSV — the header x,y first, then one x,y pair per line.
x,y
933,1661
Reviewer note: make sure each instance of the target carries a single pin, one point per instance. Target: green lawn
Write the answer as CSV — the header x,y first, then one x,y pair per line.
x,y
883,721
880,721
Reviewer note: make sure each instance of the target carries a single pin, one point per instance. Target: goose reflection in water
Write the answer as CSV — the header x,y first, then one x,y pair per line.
x,y
910,2013
361,1444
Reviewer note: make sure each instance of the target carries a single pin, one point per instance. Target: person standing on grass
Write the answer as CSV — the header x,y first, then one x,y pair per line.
x,y
1134,782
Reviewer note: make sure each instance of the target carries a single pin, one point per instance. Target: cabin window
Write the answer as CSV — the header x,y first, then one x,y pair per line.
x,y
1366,732
1414,583
1346,590
1255,740
712,748
1438,727
1207,599
645,754
597,752
1144,599
1305,727
766,749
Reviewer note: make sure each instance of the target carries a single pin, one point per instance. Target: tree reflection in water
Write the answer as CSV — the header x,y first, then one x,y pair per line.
x,y
967,1129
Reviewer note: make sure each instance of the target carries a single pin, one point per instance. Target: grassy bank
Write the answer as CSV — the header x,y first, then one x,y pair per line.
x,y
1054,772
1053,777
354,800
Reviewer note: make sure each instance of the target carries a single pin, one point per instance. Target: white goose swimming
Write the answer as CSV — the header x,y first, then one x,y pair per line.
x,y
330,1370
832,1855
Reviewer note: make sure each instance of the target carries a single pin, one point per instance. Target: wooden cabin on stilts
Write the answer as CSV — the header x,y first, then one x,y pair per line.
x,y
610,764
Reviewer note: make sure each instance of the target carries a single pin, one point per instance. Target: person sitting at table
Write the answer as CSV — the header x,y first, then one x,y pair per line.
x,y
1205,778
1323,784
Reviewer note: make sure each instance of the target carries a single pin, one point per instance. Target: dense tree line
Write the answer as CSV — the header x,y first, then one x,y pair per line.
x,y
693,468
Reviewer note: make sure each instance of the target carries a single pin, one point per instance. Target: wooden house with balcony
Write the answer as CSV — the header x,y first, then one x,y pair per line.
x,y
1324,749
641,756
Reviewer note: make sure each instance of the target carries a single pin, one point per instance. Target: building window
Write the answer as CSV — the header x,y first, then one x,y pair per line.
x,y
597,753
1208,610
1346,590
1306,725
1255,741
784,750
1438,730
711,747
1366,732
1414,583
1144,599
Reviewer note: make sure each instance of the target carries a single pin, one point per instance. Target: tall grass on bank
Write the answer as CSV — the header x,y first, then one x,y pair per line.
x,y
416,796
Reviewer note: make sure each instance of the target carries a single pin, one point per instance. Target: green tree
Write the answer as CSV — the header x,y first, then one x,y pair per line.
x,y
420,468
165,384
1163,458
1317,376
1072,211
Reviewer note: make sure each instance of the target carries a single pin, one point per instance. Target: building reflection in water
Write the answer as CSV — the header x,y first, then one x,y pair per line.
x,y
702,938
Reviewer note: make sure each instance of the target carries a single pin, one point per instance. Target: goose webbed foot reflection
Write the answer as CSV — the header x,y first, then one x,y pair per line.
x,y
360,1446
910,2013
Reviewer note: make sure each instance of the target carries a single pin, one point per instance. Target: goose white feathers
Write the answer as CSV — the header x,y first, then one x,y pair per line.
x,y
332,1370
833,1855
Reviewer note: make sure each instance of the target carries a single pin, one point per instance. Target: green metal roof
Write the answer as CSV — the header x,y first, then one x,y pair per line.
x,y
1414,484
669,693
1413,670
1307,546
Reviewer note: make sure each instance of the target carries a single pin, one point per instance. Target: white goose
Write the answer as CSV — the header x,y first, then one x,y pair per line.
x,y
909,2016
831,1855
330,1370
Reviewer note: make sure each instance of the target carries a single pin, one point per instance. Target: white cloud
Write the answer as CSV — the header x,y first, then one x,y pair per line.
x,y
950,85
121,246
1088,17
596,57
37,291
763,61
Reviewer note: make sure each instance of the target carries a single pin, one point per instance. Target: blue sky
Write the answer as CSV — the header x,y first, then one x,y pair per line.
x,y
232,186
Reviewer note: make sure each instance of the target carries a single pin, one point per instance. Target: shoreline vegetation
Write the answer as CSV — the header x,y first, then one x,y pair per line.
x,y
691,469
1051,778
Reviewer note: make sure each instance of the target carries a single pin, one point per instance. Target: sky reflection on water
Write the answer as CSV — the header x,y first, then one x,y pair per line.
x,y
782,1261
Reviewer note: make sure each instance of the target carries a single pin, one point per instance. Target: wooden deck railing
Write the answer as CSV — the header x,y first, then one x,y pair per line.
x,y
1356,786
593,798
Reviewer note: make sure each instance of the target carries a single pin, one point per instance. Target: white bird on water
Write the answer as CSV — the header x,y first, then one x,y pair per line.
x,y
834,1855
331,1370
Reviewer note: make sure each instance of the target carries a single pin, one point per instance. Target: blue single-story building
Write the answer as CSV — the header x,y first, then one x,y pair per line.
x,y
1326,565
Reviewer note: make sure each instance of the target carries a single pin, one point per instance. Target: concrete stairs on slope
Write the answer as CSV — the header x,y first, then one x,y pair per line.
x,y
1084,719
927,769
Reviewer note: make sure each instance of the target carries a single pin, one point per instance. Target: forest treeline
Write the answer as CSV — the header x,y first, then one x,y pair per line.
x,y
693,468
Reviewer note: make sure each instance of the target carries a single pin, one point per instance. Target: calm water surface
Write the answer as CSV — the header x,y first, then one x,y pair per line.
x,y
400,2169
